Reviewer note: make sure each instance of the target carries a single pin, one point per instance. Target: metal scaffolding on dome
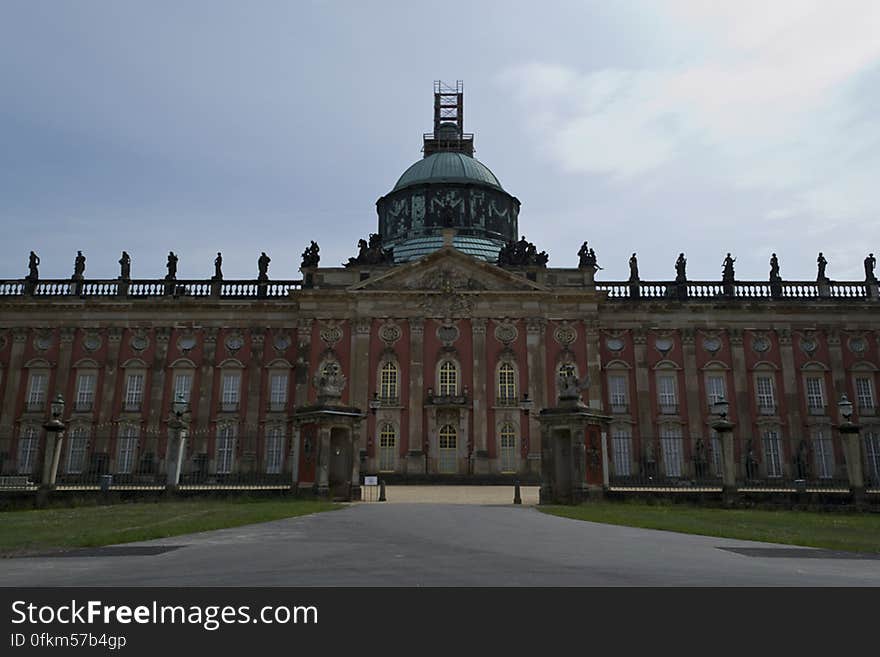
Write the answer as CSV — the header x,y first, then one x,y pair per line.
x,y
449,134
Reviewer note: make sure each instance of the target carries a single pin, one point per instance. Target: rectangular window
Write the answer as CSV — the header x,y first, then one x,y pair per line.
x,y
231,384
715,389
76,450
621,450
766,398
126,448
225,448
274,448
182,386
388,383
134,392
772,453
667,394
28,442
872,450
717,463
617,385
85,391
277,391
36,400
670,437
865,395
824,454
815,395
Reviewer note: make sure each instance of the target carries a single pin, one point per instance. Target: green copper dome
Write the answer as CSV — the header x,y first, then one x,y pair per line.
x,y
447,167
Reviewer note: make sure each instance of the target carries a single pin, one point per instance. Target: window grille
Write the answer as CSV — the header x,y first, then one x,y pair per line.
x,y
872,451
36,399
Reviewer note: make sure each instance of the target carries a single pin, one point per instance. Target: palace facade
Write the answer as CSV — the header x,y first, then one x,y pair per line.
x,y
449,335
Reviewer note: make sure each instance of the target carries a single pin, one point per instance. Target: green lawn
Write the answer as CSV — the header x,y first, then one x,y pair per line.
x,y
23,532
831,530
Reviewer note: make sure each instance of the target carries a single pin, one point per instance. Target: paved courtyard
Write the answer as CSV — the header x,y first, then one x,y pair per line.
x,y
410,544
453,494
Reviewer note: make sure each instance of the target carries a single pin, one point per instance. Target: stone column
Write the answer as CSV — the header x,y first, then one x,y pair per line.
x,y
594,365
323,474
13,385
692,392
790,391
416,459
740,385
252,429
481,401
536,360
642,403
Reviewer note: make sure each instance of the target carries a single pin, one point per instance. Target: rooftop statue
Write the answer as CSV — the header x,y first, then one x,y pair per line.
x,y
311,257
125,266
727,271
79,267
633,269
587,258
774,269
870,264
371,253
263,267
821,263
218,268
680,267
33,267
172,267
521,254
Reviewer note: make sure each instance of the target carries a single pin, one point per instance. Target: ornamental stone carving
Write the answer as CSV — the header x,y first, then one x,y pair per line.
x,y
43,341
447,334
664,344
186,343
139,342
565,334
234,342
712,343
614,343
389,333
506,332
330,334
858,345
760,344
281,342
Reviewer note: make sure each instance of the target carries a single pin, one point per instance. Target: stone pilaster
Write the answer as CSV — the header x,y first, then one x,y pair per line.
x,y
838,373
594,365
416,459
13,385
65,353
199,442
536,360
480,396
642,403
790,392
111,372
252,430
359,394
301,373
741,387
150,440
692,391
323,474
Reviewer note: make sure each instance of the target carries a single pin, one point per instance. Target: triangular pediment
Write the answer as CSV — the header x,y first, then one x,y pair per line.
x,y
448,269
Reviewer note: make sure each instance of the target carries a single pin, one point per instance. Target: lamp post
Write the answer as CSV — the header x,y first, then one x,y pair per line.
x,y
724,427
178,424
54,443
850,432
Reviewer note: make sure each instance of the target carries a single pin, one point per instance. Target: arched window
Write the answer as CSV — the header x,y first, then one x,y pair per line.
x,y
388,382
448,379
387,447
448,449
507,444
506,385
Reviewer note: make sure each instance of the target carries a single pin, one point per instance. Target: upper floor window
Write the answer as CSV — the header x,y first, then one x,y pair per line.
x,y
134,391
715,389
36,399
448,379
865,394
183,386
617,391
230,391
277,391
507,384
85,391
766,396
388,382
815,395
668,396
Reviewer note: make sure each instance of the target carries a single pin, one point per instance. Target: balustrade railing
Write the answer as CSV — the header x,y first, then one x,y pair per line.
x,y
144,288
739,290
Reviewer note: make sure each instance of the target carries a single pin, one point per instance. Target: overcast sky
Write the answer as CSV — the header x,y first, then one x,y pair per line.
x,y
246,127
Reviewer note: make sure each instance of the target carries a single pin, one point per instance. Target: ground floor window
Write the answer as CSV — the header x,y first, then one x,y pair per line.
x,y
28,442
274,449
387,447
824,454
76,450
225,449
670,437
126,448
621,451
507,444
772,453
448,462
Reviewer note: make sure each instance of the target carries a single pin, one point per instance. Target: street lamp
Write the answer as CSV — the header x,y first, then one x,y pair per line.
x,y
724,427
54,441
178,424
850,432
